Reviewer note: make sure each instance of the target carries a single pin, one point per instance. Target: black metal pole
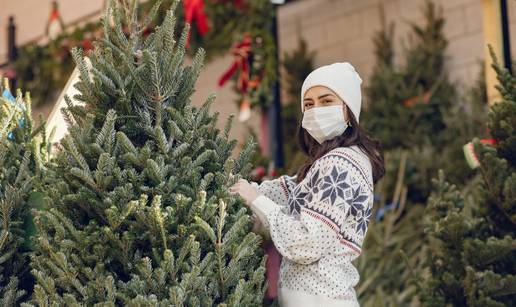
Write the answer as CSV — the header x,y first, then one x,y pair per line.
x,y
505,36
12,53
274,112
11,40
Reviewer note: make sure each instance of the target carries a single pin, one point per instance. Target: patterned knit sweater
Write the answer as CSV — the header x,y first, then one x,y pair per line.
x,y
319,225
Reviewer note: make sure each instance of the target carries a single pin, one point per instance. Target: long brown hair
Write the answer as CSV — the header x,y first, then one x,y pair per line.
x,y
354,135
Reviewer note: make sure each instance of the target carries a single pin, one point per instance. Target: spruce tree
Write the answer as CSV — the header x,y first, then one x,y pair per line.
x,y
21,154
139,212
396,245
416,92
414,107
472,259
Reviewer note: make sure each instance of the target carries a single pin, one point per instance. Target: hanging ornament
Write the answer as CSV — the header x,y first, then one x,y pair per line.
x,y
470,154
87,42
254,84
9,73
245,111
55,24
194,9
19,108
258,173
6,94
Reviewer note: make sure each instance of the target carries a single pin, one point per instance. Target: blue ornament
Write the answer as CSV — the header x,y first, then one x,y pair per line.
x,y
381,212
7,95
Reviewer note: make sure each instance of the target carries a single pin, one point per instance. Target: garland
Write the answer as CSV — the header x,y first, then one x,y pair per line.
x,y
43,70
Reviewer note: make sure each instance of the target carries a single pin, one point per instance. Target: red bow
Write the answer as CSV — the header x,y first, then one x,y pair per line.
x,y
194,9
241,52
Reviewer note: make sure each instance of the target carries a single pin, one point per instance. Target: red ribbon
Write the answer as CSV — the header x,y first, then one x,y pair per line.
x,y
194,9
241,53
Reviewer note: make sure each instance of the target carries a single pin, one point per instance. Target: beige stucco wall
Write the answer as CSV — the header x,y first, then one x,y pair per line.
x,y
338,30
342,30
31,17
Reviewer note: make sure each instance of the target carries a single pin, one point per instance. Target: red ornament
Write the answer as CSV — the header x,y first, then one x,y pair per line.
x,y
254,83
54,24
9,73
87,42
194,9
241,53
418,99
86,45
258,173
470,154
491,142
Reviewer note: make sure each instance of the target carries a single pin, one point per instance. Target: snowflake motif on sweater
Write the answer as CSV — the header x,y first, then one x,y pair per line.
x,y
318,224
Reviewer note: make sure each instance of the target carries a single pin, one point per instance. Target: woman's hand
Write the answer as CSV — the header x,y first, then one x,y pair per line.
x,y
245,190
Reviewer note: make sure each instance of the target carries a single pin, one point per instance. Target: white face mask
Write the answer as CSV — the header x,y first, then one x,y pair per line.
x,y
324,123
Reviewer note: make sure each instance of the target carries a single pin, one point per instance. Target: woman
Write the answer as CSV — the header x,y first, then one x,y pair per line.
x,y
318,218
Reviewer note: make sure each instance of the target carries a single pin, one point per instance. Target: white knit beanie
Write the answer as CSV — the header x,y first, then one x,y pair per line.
x,y
342,78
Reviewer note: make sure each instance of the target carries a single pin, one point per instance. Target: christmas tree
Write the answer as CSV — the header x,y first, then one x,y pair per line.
x,y
395,243
472,261
139,212
417,91
21,155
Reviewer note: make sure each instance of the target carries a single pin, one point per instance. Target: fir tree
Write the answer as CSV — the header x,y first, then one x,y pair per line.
x,y
415,108
396,246
417,92
21,157
395,243
472,260
138,208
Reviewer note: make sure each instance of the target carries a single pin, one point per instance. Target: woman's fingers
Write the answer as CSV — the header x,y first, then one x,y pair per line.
x,y
237,187
234,189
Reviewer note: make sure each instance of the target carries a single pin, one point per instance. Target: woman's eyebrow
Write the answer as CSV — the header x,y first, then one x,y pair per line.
x,y
324,95
320,97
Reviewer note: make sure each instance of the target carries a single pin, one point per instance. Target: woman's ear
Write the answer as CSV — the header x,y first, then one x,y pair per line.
x,y
346,115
